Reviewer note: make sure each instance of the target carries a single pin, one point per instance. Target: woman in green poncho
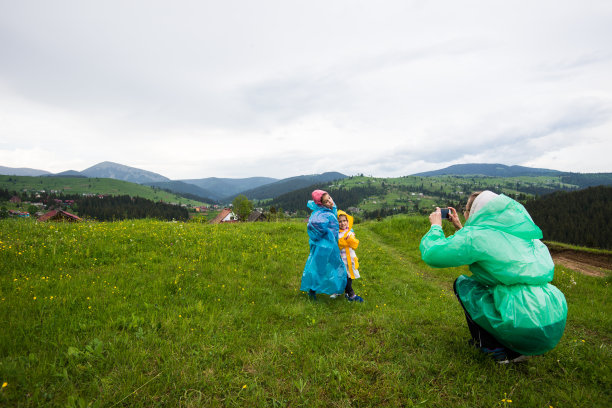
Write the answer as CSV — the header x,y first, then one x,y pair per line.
x,y
511,308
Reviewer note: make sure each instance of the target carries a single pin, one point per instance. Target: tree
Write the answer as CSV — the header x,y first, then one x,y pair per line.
x,y
242,207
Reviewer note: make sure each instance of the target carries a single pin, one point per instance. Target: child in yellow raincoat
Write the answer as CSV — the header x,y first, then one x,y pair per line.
x,y
347,242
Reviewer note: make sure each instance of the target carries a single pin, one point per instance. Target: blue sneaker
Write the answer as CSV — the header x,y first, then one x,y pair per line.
x,y
497,354
354,298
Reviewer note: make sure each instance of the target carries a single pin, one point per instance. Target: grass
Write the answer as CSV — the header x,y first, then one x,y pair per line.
x,y
147,313
561,246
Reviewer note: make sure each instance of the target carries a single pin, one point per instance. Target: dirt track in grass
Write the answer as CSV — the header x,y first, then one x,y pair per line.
x,y
588,263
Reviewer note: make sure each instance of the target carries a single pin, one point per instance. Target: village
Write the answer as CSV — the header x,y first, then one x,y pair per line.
x,y
66,210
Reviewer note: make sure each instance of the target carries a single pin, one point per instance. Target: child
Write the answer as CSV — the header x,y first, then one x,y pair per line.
x,y
348,243
324,271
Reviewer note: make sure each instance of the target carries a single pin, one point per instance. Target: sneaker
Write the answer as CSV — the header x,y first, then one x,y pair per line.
x,y
520,359
354,298
335,295
498,354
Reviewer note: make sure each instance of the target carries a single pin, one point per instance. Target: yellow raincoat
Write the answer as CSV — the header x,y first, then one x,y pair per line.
x,y
348,243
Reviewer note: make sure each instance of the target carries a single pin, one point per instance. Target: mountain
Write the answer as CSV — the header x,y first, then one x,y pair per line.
x,y
22,171
227,187
488,169
68,173
185,189
120,172
290,184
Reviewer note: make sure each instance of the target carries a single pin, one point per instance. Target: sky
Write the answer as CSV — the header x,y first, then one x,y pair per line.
x,y
195,89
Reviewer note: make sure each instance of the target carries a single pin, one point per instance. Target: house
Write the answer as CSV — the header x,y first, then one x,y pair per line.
x,y
256,216
226,215
59,215
15,200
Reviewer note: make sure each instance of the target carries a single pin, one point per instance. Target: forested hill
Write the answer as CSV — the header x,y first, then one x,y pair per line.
x,y
578,217
297,200
290,184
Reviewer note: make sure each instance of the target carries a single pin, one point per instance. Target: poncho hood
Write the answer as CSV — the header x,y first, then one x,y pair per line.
x,y
349,217
504,214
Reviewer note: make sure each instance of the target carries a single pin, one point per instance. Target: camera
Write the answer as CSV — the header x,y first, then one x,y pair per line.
x,y
445,213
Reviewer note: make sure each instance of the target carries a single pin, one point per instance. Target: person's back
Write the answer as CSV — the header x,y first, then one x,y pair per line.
x,y
509,293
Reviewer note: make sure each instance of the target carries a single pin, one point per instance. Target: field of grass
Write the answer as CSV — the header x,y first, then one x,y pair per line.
x,y
147,313
79,185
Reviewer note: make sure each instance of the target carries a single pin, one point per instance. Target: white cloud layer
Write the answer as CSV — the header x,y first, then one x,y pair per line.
x,y
193,89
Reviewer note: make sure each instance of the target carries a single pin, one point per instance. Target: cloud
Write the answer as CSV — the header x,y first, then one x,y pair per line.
x,y
279,87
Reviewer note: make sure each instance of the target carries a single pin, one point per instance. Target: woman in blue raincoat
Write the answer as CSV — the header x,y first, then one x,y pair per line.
x,y
511,308
324,271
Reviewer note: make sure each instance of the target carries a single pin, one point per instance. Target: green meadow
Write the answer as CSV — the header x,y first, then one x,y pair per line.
x,y
160,314
93,185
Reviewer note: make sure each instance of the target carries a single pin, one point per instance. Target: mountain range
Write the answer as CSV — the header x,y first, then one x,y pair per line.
x,y
225,189
206,189
488,169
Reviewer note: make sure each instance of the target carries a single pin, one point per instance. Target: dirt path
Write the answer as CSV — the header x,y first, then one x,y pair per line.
x,y
587,263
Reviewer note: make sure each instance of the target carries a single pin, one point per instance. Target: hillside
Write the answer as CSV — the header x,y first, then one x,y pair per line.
x,y
578,217
227,188
186,190
290,184
21,171
78,185
418,195
147,313
488,169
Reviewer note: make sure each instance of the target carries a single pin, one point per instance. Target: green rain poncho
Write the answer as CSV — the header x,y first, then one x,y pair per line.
x,y
508,294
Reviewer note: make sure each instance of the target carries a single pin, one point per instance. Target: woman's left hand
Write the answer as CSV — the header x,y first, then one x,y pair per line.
x,y
436,217
454,218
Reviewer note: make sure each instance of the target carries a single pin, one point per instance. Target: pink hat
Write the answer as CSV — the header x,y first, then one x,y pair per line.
x,y
316,196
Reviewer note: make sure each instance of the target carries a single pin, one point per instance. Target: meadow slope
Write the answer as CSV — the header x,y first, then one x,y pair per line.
x,y
147,313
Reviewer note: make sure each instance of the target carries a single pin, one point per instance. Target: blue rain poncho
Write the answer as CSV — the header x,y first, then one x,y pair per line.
x,y
324,271
508,294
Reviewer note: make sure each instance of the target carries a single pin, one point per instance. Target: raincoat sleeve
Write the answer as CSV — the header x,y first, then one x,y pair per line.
x,y
317,226
441,252
350,242
320,229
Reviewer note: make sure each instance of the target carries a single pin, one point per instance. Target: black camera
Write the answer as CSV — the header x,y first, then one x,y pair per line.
x,y
445,213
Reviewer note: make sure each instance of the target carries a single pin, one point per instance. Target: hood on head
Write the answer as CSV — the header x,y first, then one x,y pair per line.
x,y
506,215
349,217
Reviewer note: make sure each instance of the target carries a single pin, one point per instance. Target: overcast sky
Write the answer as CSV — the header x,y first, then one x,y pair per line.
x,y
194,89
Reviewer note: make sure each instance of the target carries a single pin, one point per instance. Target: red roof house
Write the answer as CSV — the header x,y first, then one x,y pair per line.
x,y
59,215
226,215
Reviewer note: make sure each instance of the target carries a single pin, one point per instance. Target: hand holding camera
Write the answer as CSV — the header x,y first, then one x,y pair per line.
x,y
449,214
445,212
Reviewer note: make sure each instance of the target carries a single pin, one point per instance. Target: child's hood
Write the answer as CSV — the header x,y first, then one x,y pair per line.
x,y
348,217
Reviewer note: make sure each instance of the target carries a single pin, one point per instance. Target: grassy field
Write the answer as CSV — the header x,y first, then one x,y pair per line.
x,y
147,313
94,185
